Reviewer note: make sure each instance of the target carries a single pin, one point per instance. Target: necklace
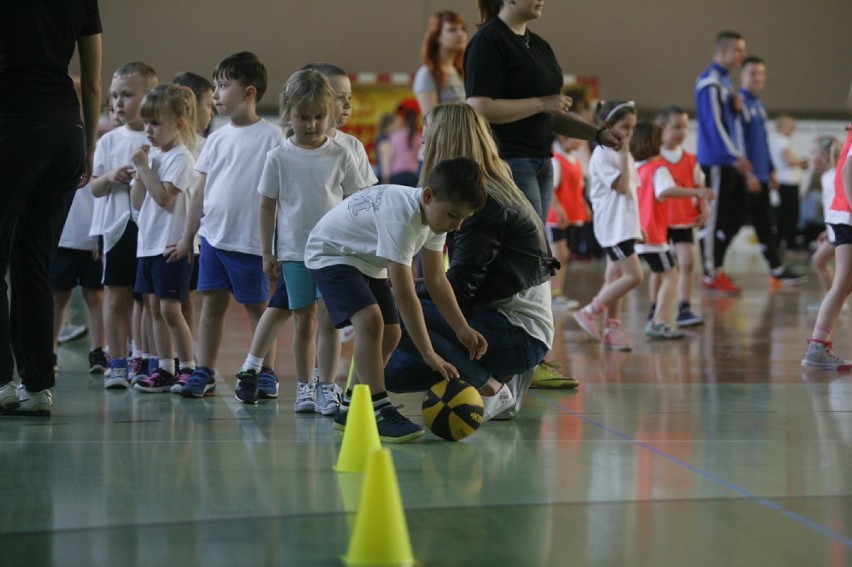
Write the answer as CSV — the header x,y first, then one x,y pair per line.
x,y
526,38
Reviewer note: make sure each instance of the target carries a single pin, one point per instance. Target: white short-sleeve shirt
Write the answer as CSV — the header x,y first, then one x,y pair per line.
x,y
360,153
307,184
375,226
112,212
75,233
232,159
616,216
159,226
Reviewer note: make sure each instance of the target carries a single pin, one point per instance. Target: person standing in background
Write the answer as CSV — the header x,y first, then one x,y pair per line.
x,y
45,154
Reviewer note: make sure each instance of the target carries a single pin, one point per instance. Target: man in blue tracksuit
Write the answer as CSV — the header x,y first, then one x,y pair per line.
x,y
721,157
753,126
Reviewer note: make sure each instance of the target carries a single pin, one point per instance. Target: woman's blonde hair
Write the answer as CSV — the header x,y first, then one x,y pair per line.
x,y
172,102
307,86
457,130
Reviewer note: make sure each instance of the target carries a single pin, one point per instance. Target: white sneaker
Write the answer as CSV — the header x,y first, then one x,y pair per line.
x,y
497,404
327,398
306,397
518,386
69,332
33,403
9,396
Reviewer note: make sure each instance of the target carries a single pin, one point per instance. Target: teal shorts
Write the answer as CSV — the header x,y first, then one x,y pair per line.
x,y
301,289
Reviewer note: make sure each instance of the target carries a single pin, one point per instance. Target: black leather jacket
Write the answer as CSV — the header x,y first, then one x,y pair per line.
x,y
495,254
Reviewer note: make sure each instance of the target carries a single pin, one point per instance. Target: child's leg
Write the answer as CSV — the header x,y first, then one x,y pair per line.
x,y
188,309
666,298
139,333
621,277
94,299
162,335
266,331
60,302
119,309
821,262
368,350
686,273
255,311
840,289
178,329
328,345
211,325
304,341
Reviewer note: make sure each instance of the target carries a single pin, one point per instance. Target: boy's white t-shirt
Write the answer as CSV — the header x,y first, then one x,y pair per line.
x,y
75,233
663,180
360,154
159,226
376,225
307,184
233,159
112,212
616,216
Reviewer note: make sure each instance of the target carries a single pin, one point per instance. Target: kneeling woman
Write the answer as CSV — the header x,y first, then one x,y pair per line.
x,y
500,267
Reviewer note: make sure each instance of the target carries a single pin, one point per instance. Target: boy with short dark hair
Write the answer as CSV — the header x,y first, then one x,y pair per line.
x,y
223,210
365,245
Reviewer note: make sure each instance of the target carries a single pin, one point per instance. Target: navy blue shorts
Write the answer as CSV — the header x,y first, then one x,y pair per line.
x,y
164,279
346,291
70,268
621,250
842,234
557,233
240,273
279,299
659,262
120,260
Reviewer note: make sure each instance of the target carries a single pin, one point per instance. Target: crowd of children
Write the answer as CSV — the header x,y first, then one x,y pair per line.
x,y
169,212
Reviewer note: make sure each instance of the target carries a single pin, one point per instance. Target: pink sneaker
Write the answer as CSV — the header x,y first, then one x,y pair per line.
x,y
589,322
613,337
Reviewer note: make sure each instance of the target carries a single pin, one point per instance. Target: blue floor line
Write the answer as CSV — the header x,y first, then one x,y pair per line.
x,y
765,502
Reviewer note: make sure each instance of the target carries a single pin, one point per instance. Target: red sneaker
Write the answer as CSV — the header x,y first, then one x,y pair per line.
x,y
720,283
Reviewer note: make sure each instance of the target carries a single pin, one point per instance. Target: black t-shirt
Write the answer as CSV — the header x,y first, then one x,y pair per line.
x,y
499,65
37,41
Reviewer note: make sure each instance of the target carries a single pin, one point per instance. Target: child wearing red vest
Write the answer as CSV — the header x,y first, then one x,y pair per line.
x,y
683,214
656,185
839,218
568,212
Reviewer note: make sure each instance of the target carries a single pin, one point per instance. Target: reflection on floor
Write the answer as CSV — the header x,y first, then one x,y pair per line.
x,y
715,450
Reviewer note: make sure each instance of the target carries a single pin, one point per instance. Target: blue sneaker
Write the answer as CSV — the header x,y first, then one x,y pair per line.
x,y
246,390
201,383
395,427
117,379
267,383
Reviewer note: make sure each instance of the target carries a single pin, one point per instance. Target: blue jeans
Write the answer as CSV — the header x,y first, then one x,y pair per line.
x,y
510,351
534,177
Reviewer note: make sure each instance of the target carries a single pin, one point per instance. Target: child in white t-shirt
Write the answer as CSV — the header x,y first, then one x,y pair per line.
x,y
223,210
823,158
615,210
303,178
114,218
163,177
373,236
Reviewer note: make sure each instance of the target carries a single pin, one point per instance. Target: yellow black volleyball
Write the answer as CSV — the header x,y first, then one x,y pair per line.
x,y
452,410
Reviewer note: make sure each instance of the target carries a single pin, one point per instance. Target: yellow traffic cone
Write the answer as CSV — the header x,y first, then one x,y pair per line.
x,y
361,435
380,536
350,490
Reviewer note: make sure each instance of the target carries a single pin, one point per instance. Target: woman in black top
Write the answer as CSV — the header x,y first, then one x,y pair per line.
x,y
513,79
45,154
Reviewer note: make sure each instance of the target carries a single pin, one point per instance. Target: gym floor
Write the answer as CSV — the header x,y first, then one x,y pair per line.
x,y
719,449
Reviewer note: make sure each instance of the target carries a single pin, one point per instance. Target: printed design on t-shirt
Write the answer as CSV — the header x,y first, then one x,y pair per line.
x,y
366,200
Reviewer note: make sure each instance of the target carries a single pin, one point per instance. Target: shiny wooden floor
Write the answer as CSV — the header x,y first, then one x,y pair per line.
x,y
716,450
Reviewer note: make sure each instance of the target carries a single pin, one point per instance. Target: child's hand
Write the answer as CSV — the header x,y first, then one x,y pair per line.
x,y
475,343
140,156
178,251
438,364
706,193
122,175
271,268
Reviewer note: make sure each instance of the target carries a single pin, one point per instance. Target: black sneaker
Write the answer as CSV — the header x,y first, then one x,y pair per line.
x,y
395,427
339,423
246,390
98,362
